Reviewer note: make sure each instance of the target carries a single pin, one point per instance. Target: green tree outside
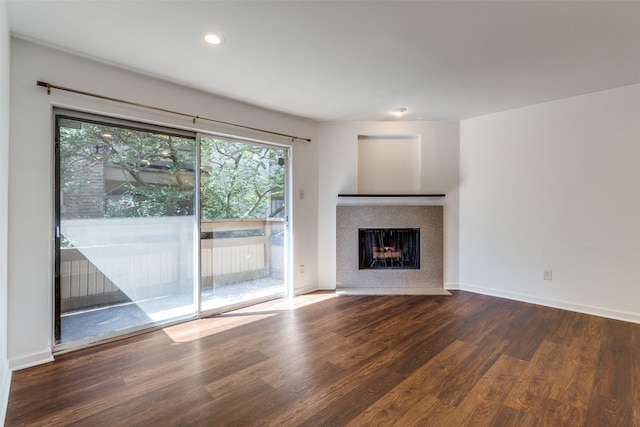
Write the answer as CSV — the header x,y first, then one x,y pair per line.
x,y
112,171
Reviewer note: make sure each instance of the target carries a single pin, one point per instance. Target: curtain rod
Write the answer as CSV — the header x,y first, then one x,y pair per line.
x,y
50,86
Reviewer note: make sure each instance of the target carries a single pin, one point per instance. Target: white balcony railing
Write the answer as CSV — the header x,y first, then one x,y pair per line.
x,y
158,258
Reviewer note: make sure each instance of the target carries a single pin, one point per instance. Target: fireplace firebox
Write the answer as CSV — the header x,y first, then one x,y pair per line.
x,y
389,248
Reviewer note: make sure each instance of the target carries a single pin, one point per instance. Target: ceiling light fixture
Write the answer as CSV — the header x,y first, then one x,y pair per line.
x,y
213,38
398,111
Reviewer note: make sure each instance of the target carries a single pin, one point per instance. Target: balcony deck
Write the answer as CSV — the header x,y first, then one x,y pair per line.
x,y
102,321
136,276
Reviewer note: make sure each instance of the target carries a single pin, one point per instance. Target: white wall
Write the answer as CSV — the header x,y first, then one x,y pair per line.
x,y
5,373
555,186
30,196
339,174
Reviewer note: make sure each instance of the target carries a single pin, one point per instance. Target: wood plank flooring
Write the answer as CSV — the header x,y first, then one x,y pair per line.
x,y
327,360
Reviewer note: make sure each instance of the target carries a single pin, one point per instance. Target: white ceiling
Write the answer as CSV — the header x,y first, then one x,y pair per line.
x,y
356,60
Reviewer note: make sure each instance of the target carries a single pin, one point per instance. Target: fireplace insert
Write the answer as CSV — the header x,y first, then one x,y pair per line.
x,y
389,248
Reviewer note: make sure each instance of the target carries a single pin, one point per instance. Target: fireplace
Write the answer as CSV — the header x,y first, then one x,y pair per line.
x,y
392,265
389,248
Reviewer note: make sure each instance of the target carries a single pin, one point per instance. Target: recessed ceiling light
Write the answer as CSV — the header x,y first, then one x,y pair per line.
x,y
398,111
213,38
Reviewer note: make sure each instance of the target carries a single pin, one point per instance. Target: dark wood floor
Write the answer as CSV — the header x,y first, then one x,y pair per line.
x,y
324,360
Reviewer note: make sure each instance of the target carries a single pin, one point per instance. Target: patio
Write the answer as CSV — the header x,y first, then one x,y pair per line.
x,y
102,321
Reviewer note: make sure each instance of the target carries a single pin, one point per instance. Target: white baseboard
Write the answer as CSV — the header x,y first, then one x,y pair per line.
x,y
5,386
30,360
326,286
549,302
305,290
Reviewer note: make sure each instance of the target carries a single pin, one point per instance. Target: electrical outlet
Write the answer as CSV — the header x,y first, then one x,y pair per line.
x,y
301,268
548,274
301,194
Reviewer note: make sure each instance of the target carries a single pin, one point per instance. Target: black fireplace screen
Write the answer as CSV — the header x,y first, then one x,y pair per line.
x,y
384,248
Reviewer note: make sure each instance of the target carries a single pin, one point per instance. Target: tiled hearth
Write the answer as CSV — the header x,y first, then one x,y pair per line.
x,y
427,280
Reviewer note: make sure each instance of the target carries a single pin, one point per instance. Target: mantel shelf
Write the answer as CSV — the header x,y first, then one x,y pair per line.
x,y
393,195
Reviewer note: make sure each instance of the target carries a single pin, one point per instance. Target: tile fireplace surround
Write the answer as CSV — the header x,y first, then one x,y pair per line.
x,y
428,280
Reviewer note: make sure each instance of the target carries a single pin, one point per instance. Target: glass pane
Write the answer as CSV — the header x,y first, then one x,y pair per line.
x,y
126,209
242,222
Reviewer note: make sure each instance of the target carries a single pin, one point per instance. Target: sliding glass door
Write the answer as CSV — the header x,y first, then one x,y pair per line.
x,y
126,221
139,243
243,214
